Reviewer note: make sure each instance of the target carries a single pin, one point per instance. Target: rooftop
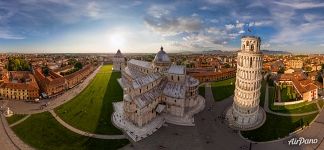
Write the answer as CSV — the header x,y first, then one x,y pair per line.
x,y
140,63
174,90
139,82
177,69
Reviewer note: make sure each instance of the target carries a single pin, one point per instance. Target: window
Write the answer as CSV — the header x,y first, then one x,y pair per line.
x,y
178,78
252,47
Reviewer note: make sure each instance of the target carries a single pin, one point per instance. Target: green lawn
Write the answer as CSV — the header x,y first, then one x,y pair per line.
x,y
14,118
321,103
202,90
42,131
294,108
287,94
277,127
262,96
223,89
91,110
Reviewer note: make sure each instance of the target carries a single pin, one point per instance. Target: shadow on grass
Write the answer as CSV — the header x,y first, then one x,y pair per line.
x,y
222,92
113,93
277,127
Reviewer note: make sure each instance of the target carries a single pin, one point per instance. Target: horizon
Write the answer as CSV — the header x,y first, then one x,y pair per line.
x,y
68,26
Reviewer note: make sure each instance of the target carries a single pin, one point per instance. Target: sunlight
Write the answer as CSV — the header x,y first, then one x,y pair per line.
x,y
117,41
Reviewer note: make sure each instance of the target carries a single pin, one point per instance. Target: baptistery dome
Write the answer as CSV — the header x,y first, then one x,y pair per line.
x,y
161,57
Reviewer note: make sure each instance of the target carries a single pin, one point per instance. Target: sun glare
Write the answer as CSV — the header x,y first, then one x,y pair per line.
x,y
117,41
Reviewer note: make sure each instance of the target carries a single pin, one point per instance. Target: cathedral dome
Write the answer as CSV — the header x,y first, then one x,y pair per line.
x,y
161,57
118,54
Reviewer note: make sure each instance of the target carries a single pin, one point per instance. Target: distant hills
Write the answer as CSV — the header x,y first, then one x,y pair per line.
x,y
274,52
220,52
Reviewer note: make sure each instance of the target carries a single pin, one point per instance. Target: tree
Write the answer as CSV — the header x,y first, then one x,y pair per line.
x,y
78,65
227,65
18,64
281,70
45,70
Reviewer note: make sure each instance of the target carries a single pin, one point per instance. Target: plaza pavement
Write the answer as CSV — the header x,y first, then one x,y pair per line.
x,y
211,133
8,139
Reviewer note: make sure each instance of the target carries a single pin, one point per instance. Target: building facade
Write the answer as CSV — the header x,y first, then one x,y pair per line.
x,y
245,113
306,89
155,92
118,61
207,76
19,85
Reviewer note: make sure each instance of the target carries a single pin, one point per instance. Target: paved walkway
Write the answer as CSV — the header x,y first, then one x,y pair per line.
x,y
8,139
266,107
20,121
75,130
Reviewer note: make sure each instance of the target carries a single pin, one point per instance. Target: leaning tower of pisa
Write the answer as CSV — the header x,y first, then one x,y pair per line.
x,y
245,113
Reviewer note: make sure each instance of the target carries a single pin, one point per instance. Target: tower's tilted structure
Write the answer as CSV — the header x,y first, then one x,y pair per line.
x,y
245,113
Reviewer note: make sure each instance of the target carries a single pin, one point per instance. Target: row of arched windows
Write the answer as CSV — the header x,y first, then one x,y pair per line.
x,y
249,61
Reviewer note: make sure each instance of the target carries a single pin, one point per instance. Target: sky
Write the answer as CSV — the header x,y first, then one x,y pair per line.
x,y
90,26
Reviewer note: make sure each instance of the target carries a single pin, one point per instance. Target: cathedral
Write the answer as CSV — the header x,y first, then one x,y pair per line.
x,y
154,93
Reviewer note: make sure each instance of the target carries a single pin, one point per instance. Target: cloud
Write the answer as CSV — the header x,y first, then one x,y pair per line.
x,y
300,5
170,26
6,34
261,23
93,9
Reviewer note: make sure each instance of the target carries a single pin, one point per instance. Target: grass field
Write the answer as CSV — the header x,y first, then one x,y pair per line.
x,y
289,109
321,103
14,118
202,90
287,94
91,110
223,89
42,131
262,96
277,127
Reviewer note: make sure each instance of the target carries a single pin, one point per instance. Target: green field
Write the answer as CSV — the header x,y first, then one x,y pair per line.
x,y
321,103
290,109
287,94
91,110
202,90
42,131
262,96
277,127
14,118
223,89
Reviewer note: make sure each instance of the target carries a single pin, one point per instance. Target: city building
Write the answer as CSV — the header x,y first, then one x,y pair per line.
x,y
118,61
295,63
54,83
50,84
154,93
205,76
306,89
19,85
245,113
